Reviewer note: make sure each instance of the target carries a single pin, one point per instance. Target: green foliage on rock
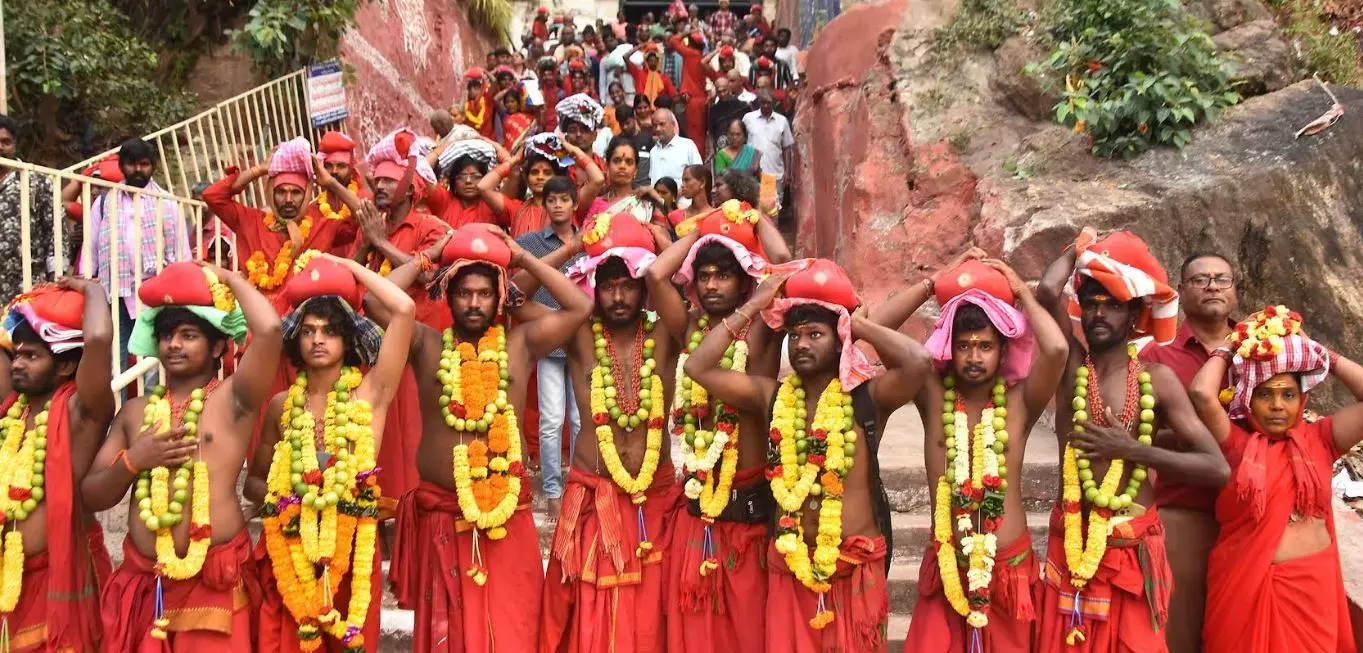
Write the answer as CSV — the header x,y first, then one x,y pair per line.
x,y
282,35
978,25
491,16
1137,73
73,64
1334,55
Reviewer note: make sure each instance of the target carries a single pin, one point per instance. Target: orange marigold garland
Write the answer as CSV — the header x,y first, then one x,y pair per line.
x,y
266,276
487,472
321,510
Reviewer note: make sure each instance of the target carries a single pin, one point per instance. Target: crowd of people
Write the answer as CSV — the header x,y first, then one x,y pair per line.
x,y
712,90
414,332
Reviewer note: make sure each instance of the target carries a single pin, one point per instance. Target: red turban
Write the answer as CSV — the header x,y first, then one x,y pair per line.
x,y
1124,266
475,242
734,220
179,284
822,280
336,146
611,231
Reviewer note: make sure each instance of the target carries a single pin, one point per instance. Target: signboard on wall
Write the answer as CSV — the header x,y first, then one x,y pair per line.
x,y
326,93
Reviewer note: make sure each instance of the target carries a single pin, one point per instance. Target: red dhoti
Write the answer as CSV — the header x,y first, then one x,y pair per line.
x,y
433,550
211,612
937,627
27,624
401,438
1256,605
1124,606
859,599
724,610
600,595
278,632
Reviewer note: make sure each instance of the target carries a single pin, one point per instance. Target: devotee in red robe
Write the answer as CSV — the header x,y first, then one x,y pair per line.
x,y
1273,579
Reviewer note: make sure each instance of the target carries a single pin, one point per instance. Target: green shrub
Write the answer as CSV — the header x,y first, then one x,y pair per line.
x,y
1138,73
284,35
978,25
1334,56
78,65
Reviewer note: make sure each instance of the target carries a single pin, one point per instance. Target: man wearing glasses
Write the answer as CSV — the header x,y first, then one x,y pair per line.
x,y
1206,291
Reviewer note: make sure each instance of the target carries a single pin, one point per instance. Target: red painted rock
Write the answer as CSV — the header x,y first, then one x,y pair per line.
x,y
409,58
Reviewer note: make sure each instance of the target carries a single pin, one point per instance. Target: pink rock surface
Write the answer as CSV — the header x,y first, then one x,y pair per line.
x,y
885,207
409,58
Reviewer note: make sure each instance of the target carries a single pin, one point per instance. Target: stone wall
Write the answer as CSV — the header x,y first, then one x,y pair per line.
x,y
409,58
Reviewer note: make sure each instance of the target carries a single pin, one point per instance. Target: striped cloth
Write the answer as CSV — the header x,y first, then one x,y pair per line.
x,y
1299,355
1123,264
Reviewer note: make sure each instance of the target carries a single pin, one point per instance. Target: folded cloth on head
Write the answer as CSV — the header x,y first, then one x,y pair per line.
x,y
389,157
1123,264
583,271
479,150
193,288
55,314
822,283
1009,321
368,334
751,264
548,145
292,163
1298,355
321,280
580,108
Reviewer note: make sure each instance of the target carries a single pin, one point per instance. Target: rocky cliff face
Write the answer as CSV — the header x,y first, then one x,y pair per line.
x,y
409,58
905,162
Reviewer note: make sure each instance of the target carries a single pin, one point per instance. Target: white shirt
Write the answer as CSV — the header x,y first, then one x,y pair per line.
x,y
669,160
788,54
603,138
770,135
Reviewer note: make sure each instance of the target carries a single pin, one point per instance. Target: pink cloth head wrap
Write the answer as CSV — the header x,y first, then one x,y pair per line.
x,y
292,164
854,368
750,263
583,271
1009,321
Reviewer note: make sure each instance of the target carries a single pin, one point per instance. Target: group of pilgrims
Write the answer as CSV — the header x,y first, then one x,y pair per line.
x,y
388,380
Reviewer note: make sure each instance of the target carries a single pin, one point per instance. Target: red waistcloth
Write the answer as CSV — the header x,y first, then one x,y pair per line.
x,y
524,216
1184,357
936,626
401,438
248,223
859,599
278,632
724,610
211,612
28,624
434,547
417,232
1125,604
1255,605
71,605
599,596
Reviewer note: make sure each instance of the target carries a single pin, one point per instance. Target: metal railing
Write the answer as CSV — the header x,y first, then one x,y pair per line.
x,y
167,209
239,131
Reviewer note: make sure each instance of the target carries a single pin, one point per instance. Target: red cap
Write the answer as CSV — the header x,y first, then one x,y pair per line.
x,y
763,62
577,65
336,146
972,274
726,52
323,277
476,242
181,284
473,74
741,231
823,281
622,231
755,9
543,10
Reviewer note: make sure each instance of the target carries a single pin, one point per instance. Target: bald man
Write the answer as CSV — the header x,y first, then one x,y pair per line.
x,y
671,153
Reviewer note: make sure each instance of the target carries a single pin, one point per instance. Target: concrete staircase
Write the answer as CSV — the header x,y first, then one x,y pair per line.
x,y
901,457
